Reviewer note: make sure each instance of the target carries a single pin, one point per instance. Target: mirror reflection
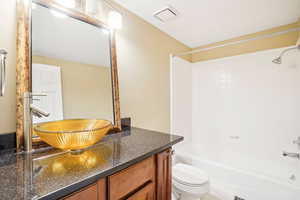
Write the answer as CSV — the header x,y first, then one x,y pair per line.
x,y
70,163
71,65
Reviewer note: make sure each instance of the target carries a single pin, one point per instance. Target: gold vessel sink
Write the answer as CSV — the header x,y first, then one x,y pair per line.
x,y
72,134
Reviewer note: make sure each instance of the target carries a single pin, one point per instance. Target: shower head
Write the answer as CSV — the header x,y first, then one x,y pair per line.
x,y
277,60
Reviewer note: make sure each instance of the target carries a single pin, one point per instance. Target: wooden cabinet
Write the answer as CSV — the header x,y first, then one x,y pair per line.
x,y
150,179
164,175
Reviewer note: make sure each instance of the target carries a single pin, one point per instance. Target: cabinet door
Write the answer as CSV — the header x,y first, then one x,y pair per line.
x,y
146,193
164,175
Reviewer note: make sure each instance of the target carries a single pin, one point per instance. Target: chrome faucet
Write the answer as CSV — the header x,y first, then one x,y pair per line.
x,y
29,111
38,112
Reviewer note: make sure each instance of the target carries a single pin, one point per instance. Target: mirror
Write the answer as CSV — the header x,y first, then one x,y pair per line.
x,y
67,60
71,66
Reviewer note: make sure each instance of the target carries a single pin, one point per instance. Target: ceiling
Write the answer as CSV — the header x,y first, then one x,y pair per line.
x,y
68,39
207,21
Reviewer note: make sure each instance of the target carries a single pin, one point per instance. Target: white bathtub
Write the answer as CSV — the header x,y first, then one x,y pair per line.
x,y
226,182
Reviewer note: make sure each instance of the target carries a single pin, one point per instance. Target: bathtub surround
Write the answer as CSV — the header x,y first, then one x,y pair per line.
x,y
245,112
246,102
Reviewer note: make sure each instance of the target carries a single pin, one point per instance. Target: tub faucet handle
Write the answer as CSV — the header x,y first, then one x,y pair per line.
x,y
297,141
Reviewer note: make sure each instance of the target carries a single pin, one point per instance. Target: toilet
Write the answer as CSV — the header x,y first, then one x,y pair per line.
x,y
189,183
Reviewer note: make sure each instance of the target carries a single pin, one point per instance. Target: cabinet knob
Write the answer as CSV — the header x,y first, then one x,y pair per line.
x,y
172,152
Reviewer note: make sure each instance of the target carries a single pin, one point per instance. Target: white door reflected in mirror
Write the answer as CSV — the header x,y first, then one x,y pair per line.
x,y
47,80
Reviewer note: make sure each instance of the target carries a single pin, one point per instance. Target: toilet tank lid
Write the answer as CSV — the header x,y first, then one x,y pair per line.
x,y
188,174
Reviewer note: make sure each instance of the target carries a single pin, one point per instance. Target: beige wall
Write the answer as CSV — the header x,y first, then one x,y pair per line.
x,y
86,89
144,73
143,59
8,41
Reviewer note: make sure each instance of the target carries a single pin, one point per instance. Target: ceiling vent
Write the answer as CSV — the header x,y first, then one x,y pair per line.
x,y
166,14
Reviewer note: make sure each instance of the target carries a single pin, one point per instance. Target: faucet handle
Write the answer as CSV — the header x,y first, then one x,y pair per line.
x,y
39,113
297,142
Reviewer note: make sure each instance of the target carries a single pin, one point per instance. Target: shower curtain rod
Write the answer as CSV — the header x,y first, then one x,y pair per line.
x,y
240,41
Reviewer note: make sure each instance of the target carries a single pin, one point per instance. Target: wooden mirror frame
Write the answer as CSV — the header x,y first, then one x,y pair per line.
x,y
23,72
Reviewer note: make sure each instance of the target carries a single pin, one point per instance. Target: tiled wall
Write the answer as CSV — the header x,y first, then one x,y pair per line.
x,y
245,112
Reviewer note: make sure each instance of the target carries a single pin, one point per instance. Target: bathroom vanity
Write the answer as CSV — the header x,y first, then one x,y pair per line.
x,y
137,182
134,164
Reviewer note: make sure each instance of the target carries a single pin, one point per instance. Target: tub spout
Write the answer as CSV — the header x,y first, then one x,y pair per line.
x,y
291,155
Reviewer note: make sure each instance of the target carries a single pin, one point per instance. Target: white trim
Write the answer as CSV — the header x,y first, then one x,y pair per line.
x,y
171,92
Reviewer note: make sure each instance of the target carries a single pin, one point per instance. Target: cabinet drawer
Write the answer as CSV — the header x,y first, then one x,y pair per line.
x,y
127,181
146,193
90,193
96,191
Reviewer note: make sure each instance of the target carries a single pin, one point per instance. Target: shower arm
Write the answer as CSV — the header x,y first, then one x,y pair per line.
x,y
289,49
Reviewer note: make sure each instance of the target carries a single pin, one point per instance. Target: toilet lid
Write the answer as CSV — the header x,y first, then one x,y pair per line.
x,y
189,175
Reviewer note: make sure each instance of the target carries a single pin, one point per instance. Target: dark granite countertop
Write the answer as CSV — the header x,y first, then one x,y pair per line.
x,y
54,174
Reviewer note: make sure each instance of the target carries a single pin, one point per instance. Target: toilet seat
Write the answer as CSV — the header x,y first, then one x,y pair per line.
x,y
189,176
